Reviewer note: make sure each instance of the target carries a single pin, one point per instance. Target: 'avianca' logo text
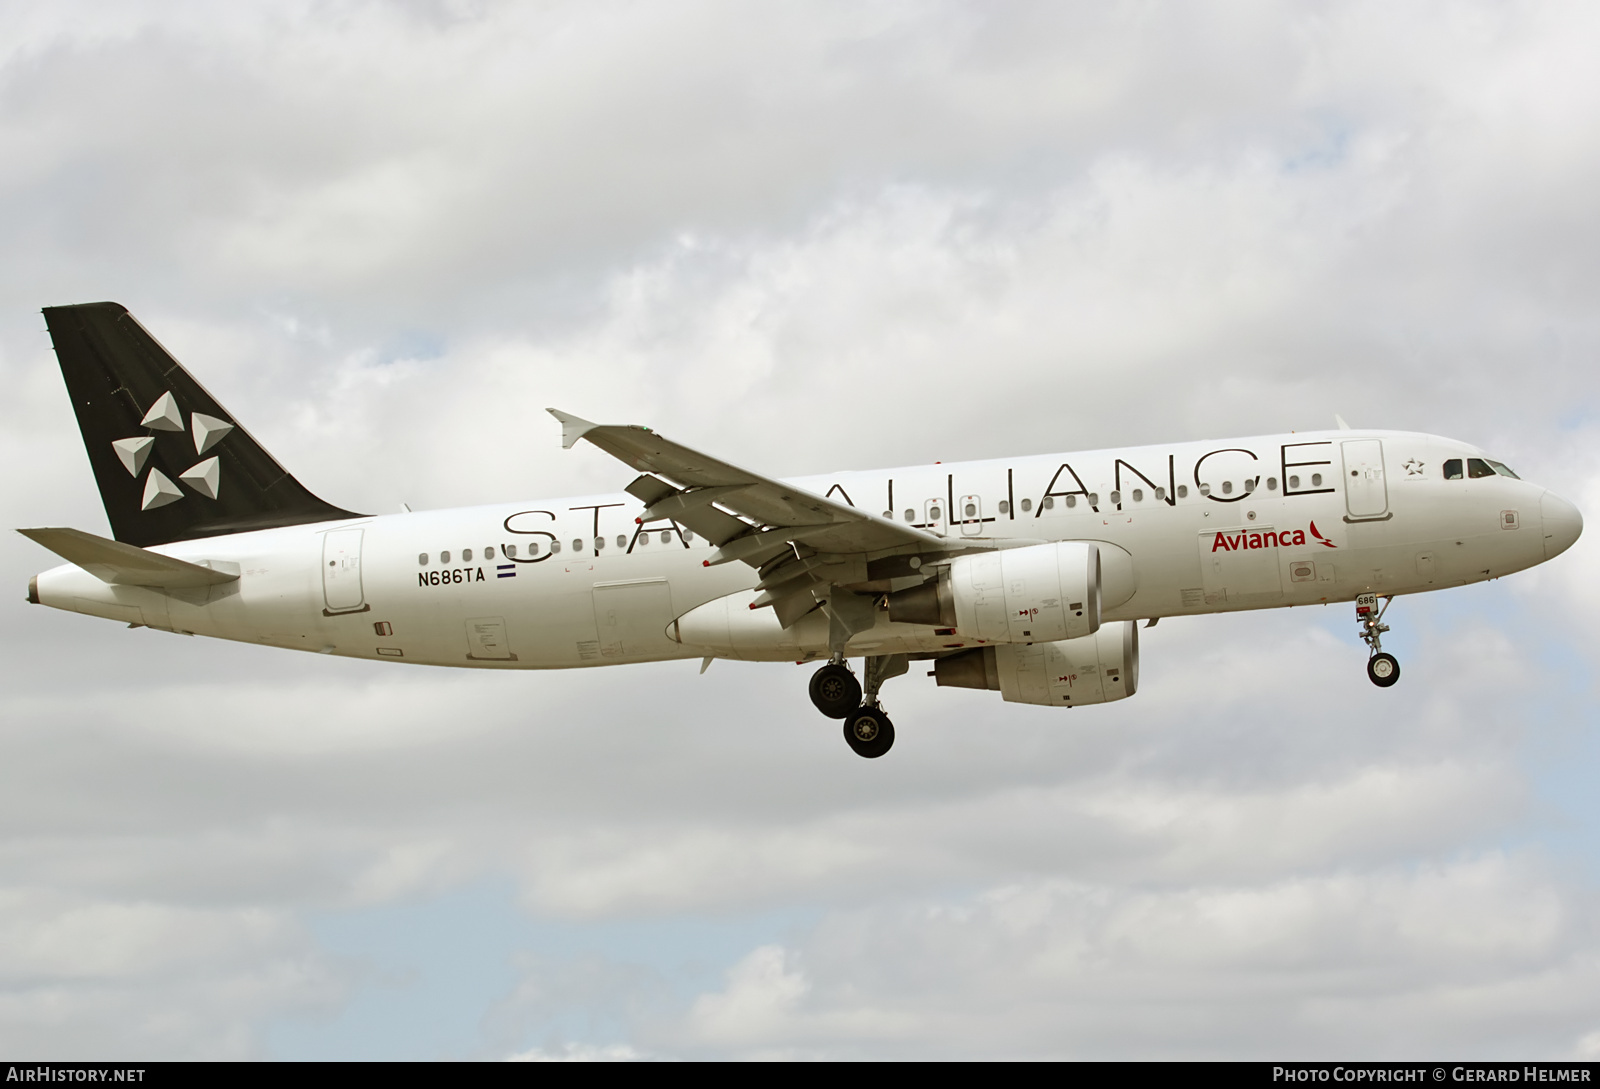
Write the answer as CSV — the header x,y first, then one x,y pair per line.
x,y
1246,540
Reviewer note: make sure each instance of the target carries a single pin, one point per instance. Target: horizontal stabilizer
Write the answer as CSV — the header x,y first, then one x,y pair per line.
x,y
125,564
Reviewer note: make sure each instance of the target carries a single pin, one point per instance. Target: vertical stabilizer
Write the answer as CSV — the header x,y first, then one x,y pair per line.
x,y
171,463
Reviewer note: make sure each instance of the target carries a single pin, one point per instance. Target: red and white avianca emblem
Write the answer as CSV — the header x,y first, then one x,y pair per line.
x,y
1246,540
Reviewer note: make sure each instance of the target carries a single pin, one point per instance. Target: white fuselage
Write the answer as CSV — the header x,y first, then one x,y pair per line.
x,y
1190,528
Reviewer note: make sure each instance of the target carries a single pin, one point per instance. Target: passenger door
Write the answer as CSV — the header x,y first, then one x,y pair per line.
x,y
1366,493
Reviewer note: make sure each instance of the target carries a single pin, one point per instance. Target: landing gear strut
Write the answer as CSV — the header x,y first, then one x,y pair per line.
x,y
837,694
1382,669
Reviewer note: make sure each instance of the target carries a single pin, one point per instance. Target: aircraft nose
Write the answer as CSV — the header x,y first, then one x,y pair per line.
x,y
1562,524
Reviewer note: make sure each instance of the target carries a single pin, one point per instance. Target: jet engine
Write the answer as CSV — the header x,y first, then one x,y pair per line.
x,y
1094,668
1038,594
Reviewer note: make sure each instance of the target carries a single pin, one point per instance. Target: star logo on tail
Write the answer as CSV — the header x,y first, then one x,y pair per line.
x,y
204,477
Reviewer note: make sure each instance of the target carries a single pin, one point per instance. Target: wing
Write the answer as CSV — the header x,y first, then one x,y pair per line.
x,y
802,543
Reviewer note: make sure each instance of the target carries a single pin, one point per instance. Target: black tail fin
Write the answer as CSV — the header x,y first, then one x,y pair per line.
x,y
172,464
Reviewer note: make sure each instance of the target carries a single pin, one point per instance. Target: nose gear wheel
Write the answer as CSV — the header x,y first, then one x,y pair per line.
x,y
1383,670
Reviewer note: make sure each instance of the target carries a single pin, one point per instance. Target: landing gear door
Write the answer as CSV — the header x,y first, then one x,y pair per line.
x,y
1366,494
341,572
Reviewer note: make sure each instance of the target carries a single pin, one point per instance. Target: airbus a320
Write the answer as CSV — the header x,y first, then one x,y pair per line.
x,y
1027,576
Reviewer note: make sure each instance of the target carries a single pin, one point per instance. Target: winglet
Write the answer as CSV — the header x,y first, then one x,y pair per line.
x,y
573,427
1338,419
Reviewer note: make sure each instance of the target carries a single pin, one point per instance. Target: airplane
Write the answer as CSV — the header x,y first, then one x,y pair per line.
x,y
1028,576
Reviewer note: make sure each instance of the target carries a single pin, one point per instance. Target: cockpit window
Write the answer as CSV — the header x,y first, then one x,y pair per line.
x,y
1500,468
1477,467
1452,469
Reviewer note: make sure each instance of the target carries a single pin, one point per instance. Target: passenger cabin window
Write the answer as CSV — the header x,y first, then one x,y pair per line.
x,y
1294,482
1094,499
1316,480
1227,487
1049,502
422,560
1138,495
1005,507
555,546
1183,491
577,545
622,541
511,550
1272,483
1452,469
889,514
1072,501
466,555
1116,497
1027,505
666,536
911,516
444,557
1478,468
488,553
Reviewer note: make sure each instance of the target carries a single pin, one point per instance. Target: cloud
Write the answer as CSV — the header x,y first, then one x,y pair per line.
x,y
810,238
1484,958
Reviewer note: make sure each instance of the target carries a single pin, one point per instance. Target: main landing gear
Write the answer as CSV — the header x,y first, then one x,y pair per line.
x,y
1382,669
837,694
835,690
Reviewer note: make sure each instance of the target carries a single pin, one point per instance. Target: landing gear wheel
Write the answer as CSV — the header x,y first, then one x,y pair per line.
x,y
835,690
1383,670
869,732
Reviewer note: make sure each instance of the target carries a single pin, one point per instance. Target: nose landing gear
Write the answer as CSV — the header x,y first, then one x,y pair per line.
x,y
837,694
1382,669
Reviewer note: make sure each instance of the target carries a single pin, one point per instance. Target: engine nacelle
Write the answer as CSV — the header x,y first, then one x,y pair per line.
x,y
1094,668
1038,594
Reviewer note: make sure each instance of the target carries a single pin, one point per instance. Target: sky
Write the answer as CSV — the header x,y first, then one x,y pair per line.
x,y
806,238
